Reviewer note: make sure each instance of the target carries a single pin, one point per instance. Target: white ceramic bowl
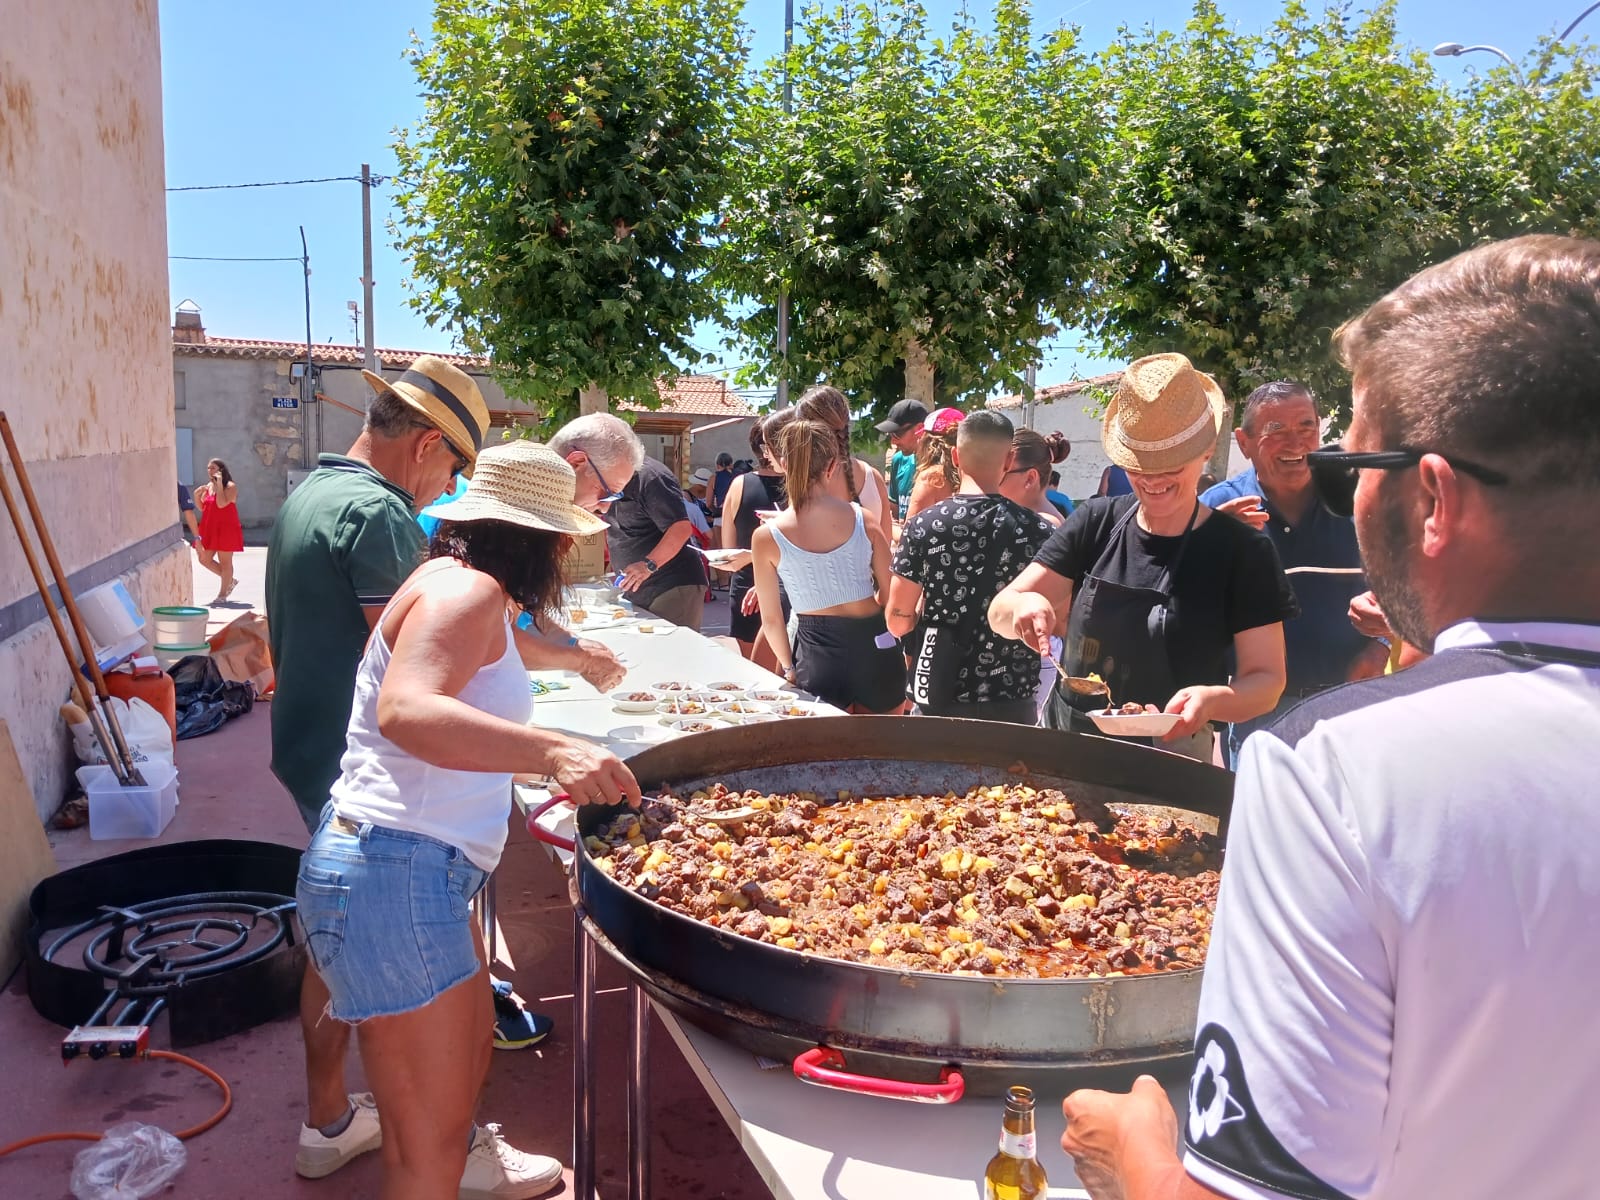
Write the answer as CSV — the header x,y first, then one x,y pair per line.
x,y
743,708
1133,724
797,708
692,724
769,695
676,687
749,718
680,707
621,699
734,690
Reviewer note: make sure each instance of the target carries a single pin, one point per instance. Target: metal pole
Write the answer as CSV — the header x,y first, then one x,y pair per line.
x,y
638,1094
1568,30
306,387
583,1116
1028,378
369,355
782,398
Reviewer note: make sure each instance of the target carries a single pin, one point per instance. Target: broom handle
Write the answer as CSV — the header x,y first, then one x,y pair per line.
x,y
84,641
79,689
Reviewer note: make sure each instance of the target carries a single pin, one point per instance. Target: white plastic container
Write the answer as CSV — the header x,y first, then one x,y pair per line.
x,y
110,614
179,624
130,812
168,655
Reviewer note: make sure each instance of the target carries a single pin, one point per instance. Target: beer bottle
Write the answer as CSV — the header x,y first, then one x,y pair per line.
x,y
1015,1173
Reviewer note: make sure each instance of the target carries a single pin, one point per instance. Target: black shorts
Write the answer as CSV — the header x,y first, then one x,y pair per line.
x,y
838,660
741,627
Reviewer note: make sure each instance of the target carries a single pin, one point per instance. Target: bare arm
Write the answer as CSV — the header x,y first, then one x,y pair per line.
x,y
672,541
1032,606
560,651
450,630
1256,685
881,574
879,506
766,552
905,597
730,513
1125,1145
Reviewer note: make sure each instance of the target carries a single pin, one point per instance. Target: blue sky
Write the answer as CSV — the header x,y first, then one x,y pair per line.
x,y
259,90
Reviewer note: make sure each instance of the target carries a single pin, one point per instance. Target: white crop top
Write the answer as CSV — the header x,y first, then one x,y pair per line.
x,y
818,580
381,783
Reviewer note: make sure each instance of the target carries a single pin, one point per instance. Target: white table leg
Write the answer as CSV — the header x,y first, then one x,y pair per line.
x,y
638,1094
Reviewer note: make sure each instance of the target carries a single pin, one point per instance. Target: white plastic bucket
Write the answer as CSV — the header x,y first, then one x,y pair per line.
x,y
168,655
179,625
110,614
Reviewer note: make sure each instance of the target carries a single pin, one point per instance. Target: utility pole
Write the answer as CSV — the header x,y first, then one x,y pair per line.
x,y
370,356
308,391
782,398
1029,376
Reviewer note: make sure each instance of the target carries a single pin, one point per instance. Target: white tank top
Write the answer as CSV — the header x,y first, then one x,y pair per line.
x,y
381,783
815,580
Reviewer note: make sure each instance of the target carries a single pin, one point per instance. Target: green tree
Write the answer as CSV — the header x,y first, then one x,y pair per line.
x,y
922,205
1531,154
557,196
1266,188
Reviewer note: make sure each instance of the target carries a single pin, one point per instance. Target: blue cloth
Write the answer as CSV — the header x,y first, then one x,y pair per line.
x,y
430,525
1117,482
1061,500
1320,644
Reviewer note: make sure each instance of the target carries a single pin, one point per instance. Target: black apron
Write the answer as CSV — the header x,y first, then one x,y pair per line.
x,y
1119,633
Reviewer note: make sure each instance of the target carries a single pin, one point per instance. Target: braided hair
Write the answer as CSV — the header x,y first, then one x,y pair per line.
x,y
829,406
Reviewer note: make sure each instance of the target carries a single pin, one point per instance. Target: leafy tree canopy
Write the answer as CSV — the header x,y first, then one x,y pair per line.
x,y
1267,187
926,199
557,196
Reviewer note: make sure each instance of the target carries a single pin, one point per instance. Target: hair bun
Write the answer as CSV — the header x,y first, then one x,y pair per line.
x,y
1060,447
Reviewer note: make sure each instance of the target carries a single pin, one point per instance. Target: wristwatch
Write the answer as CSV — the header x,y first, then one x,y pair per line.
x,y
651,563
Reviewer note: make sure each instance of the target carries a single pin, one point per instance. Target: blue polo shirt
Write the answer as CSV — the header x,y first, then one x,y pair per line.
x,y
1320,643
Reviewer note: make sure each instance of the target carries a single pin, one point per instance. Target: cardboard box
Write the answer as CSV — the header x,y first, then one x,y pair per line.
x,y
586,560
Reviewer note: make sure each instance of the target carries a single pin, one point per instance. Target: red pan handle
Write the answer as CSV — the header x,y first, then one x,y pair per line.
x,y
824,1066
540,834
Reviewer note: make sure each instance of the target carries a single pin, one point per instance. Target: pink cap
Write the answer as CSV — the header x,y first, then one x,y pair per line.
x,y
941,419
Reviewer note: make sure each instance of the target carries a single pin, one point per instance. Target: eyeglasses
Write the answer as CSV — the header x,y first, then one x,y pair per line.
x,y
462,461
608,494
1335,471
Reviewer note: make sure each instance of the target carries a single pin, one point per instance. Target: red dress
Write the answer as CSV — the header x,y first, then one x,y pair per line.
x,y
219,527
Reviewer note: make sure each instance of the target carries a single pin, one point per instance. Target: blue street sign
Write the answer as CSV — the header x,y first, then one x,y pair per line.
x,y
286,402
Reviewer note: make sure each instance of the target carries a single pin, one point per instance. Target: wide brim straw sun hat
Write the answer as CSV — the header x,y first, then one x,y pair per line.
x,y
522,483
1165,414
446,396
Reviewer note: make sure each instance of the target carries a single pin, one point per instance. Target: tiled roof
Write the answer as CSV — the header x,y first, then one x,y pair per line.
x,y
1059,391
691,396
220,347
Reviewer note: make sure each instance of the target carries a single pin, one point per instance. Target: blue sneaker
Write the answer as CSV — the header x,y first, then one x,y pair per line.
x,y
515,1028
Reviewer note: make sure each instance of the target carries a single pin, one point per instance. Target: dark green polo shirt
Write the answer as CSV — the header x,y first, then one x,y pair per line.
x,y
346,537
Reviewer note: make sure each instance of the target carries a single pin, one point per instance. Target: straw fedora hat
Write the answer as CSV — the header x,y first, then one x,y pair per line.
x,y
447,396
522,483
1165,415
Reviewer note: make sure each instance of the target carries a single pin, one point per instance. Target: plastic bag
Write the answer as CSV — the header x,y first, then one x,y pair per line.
x,y
242,653
204,698
130,1162
146,731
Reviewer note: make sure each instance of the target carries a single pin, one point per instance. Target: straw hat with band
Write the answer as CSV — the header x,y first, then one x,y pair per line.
x,y
447,396
526,484
1164,416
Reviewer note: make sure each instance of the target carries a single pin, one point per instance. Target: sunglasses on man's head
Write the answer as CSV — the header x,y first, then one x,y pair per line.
x,y
1335,472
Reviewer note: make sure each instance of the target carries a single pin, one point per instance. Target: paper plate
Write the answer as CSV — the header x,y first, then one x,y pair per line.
x,y
1133,724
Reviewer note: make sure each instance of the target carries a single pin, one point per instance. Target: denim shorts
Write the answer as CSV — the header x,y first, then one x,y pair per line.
x,y
386,916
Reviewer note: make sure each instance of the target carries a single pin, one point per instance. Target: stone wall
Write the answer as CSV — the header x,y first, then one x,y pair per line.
x,y
83,307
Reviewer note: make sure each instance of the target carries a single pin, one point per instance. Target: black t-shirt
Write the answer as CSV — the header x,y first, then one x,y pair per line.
x,y
962,552
1229,580
651,504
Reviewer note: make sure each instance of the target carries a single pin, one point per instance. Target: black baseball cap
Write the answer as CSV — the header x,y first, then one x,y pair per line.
x,y
903,416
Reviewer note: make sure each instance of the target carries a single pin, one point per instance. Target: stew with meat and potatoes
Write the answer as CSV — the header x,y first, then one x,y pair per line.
x,y
1006,880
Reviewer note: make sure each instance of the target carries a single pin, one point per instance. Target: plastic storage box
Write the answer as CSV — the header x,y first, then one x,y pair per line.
x,y
130,812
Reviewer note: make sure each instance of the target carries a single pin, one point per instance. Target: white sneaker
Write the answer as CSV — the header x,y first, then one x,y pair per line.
x,y
498,1171
319,1155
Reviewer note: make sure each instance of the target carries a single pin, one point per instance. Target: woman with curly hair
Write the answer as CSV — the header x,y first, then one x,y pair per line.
x,y
937,477
1028,481
834,568
863,483
439,729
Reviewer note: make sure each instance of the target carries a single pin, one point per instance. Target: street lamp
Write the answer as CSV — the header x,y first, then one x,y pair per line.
x,y
1579,21
1456,50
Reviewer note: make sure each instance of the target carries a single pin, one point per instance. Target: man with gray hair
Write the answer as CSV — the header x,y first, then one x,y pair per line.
x,y
605,453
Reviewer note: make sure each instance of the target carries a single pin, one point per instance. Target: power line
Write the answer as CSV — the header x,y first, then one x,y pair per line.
x,y
223,187
223,258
